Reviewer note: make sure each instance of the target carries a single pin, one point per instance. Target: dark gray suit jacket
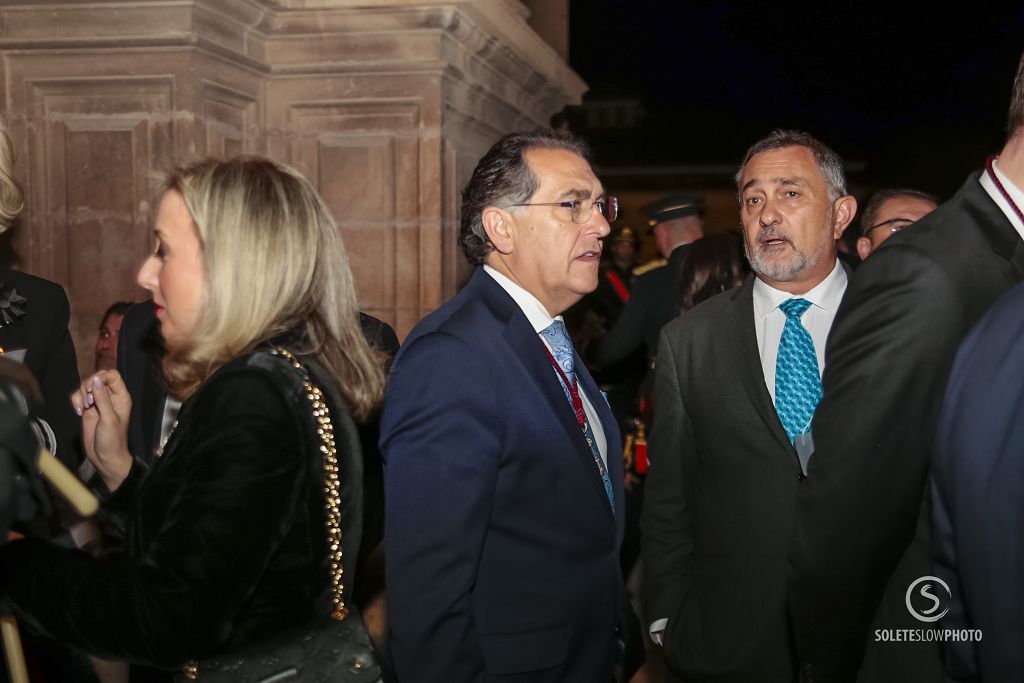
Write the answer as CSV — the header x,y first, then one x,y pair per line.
x,y
858,530
719,501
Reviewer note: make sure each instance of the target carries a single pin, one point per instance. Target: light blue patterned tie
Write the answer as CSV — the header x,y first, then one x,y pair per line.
x,y
562,351
561,347
797,382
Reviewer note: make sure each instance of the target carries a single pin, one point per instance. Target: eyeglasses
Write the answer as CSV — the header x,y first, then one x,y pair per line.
x,y
582,209
893,224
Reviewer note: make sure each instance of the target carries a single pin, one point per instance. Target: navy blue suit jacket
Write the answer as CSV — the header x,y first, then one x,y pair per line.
x,y
978,497
502,549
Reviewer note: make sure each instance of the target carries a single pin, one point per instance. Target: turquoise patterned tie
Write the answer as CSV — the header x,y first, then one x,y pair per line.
x,y
797,382
562,351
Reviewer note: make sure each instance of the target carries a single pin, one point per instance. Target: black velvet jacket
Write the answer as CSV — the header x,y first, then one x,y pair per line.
x,y
226,537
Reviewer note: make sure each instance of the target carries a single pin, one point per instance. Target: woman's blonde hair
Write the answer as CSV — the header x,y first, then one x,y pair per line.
x,y
274,264
11,201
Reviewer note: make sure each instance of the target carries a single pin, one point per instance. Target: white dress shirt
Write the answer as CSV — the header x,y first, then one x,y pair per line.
x,y
769,320
540,319
1015,193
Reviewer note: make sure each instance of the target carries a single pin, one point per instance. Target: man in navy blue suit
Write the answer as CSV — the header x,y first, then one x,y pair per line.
x,y
503,462
978,498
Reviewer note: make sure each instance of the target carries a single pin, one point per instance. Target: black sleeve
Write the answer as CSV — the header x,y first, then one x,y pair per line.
x,y
667,517
627,335
887,360
57,381
176,597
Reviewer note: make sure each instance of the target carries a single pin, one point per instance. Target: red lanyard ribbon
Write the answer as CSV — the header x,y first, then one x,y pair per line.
x,y
572,387
999,186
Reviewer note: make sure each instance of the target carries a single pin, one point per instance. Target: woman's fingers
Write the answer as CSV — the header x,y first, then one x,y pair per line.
x,y
108,383
81,398
99,395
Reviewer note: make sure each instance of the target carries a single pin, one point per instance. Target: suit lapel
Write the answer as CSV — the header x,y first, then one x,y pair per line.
x,y
993,224
147,354
525,346
616,467
744,341
153,398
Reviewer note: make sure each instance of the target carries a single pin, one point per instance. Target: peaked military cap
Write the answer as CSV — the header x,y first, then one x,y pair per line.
x,y
676,205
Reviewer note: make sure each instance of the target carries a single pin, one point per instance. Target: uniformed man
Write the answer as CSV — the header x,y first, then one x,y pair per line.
x,y
677,223
615,280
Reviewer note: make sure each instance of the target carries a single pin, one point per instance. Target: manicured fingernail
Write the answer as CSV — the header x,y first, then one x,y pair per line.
x,y
79,411
88,399
96,381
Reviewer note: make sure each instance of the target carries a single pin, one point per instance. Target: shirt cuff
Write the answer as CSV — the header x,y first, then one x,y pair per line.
x,y
44,434
657,630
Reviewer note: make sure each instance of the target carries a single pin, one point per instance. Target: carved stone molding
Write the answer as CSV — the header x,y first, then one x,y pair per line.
x,y
386,105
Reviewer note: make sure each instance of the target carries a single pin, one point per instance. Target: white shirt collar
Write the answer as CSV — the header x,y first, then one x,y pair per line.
x,y
997,196
534,310
825,295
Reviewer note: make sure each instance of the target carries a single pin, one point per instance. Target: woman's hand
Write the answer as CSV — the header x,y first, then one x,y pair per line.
x,y
104,404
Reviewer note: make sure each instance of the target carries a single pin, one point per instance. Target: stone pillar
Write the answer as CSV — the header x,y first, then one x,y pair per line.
x,y
550,19
385,104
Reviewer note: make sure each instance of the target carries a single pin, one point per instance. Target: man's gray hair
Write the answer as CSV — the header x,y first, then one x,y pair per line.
x,y
829,163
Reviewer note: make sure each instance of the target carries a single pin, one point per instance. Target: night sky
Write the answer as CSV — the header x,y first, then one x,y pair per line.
x,y
918,95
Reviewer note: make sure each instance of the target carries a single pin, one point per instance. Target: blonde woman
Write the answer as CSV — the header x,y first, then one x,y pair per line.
x,y
227,539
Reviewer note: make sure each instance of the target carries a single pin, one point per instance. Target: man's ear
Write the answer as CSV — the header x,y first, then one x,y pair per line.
x,y
843,211
500,228
863,247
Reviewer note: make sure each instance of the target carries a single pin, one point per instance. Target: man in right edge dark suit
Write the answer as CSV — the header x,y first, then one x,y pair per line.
x,y
737,380
862,534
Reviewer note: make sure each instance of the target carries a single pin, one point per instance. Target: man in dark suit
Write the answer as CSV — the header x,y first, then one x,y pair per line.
x,y
677,224
34,316
862,534
978,498
503,461
737,381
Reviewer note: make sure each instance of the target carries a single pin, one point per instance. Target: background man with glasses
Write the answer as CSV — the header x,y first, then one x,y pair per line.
x,y
889,211
503,461
738,379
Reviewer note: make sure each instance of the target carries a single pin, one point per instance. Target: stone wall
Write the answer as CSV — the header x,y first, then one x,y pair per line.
x,y
385,105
